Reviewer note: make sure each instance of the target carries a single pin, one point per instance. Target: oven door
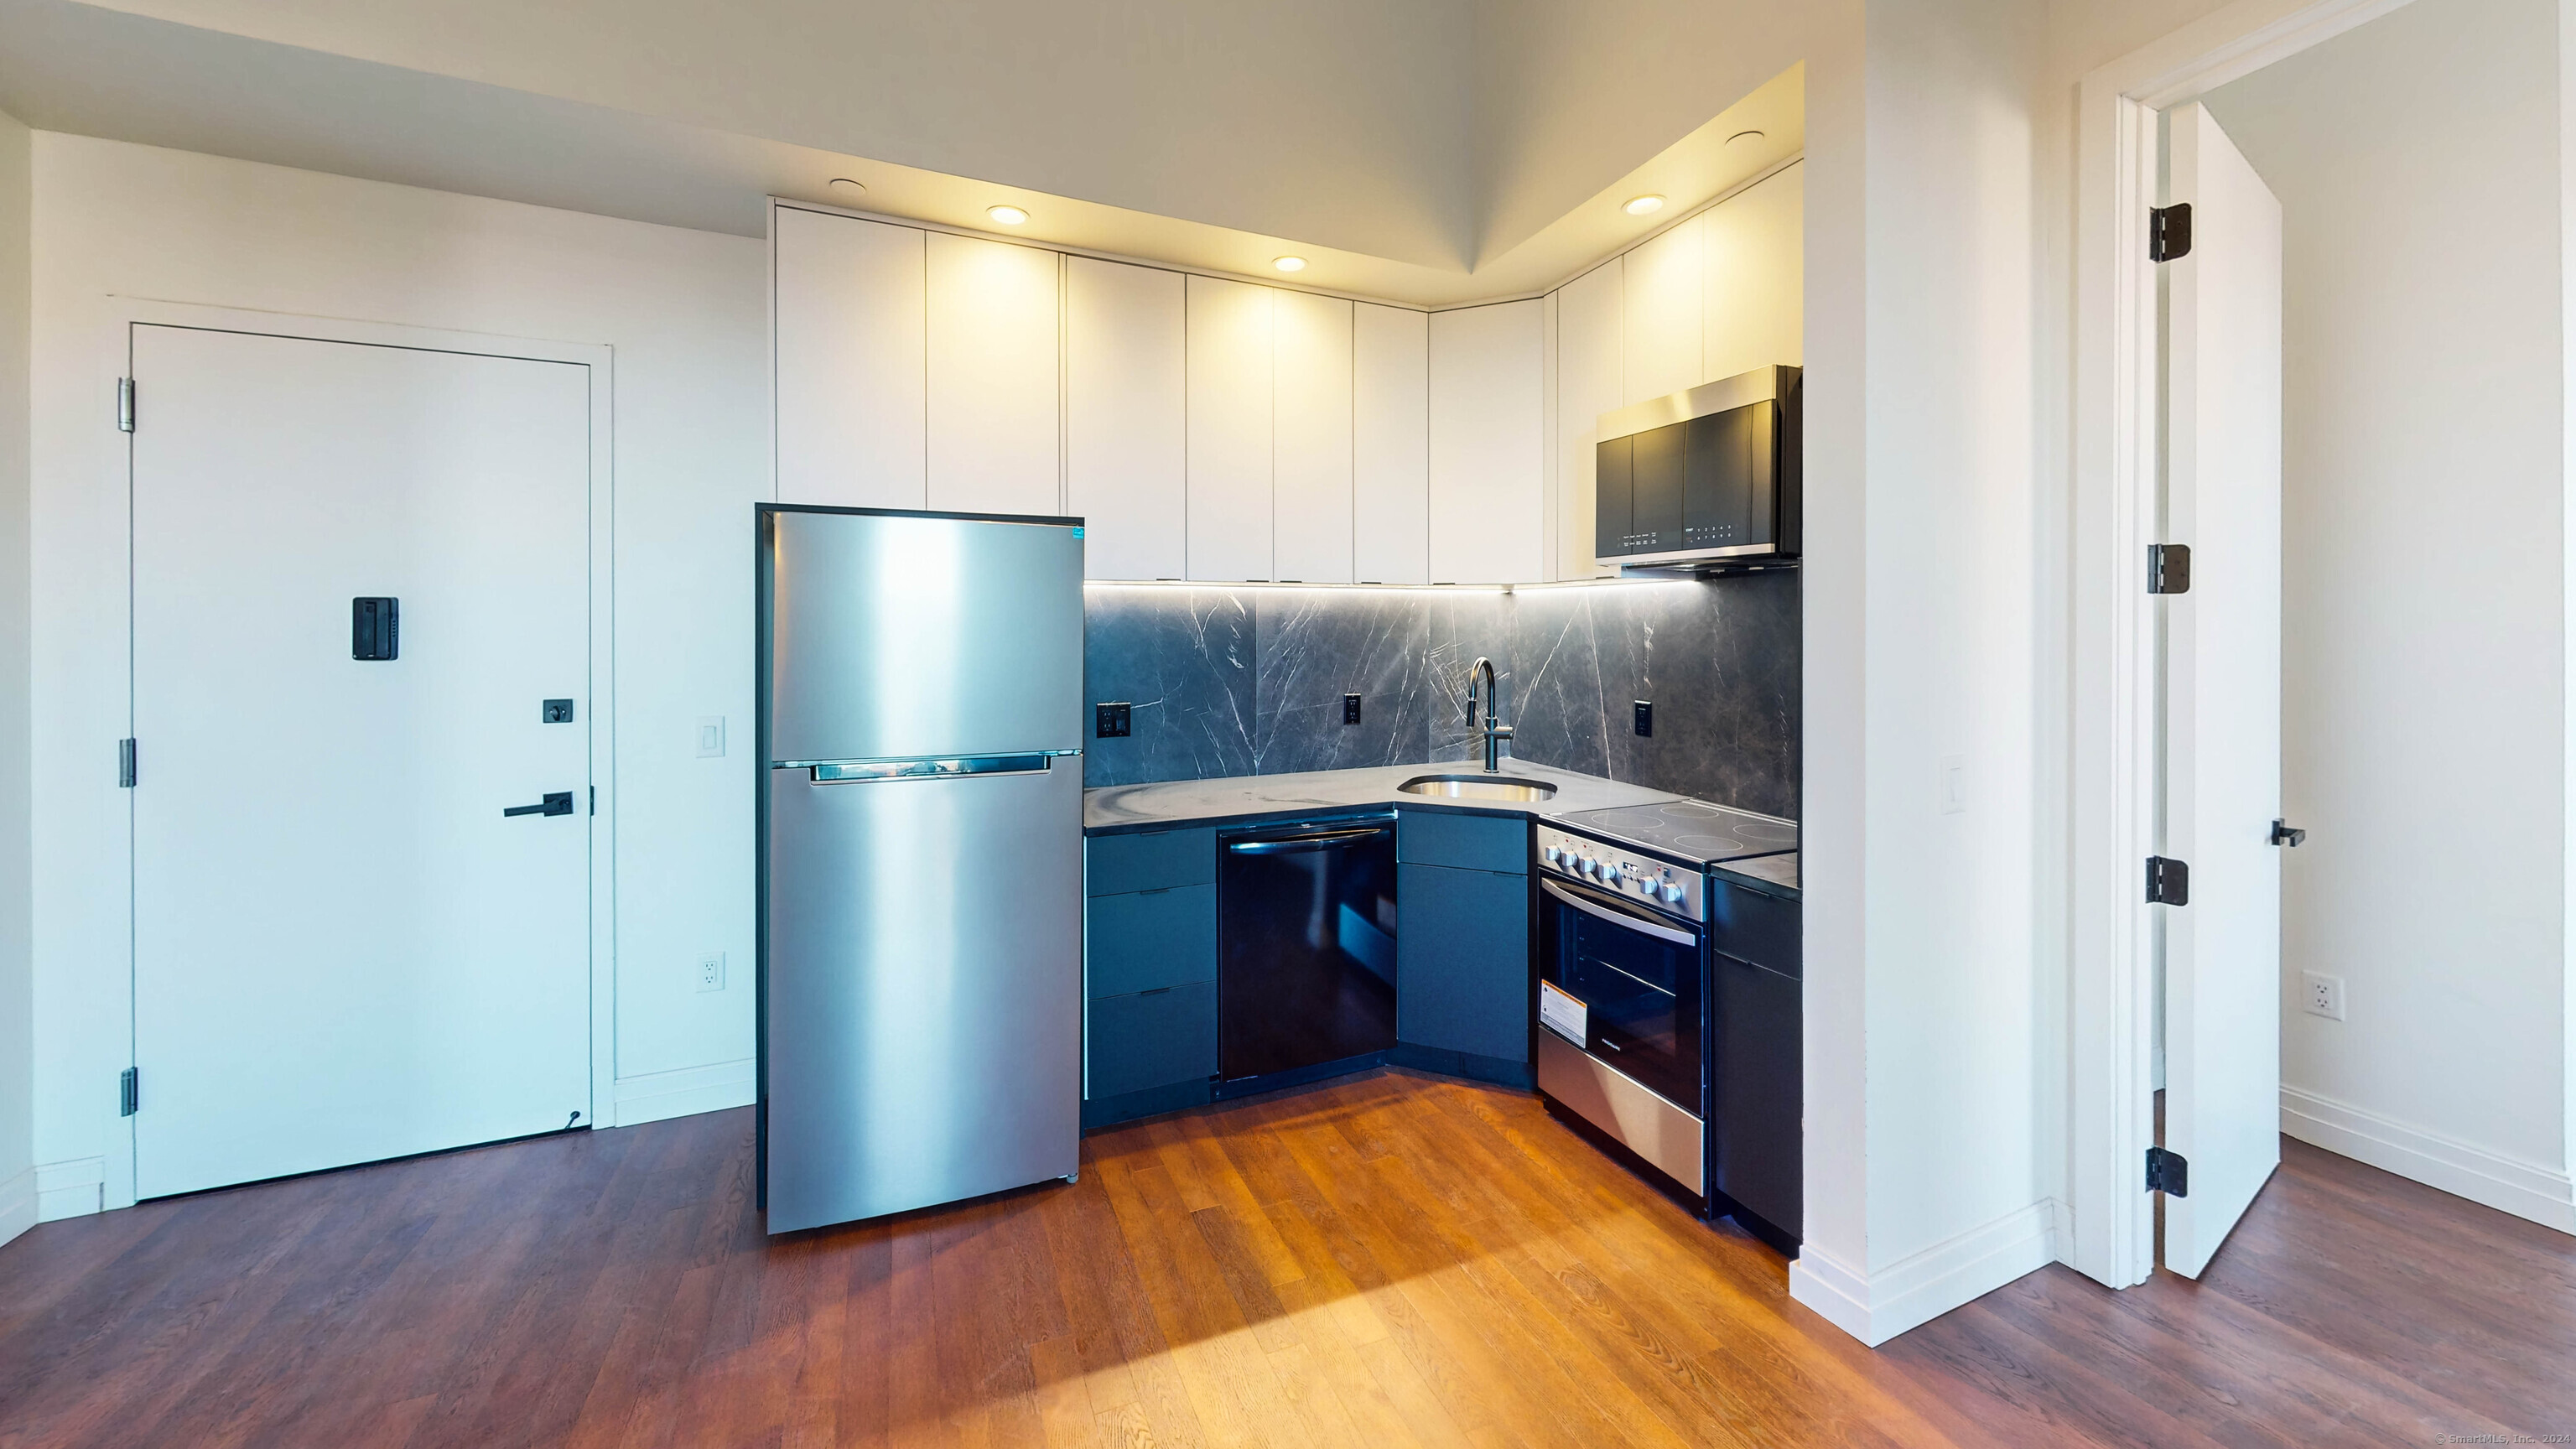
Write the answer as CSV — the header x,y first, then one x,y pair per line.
x,y
1635,976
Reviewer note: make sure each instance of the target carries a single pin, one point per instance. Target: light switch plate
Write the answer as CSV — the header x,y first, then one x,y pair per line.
x,y
711,736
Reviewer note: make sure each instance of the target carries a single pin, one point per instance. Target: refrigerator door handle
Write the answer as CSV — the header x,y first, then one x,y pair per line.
x,y
866,771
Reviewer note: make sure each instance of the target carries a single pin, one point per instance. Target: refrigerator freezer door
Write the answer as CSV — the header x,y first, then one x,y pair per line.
x,y
902,637
923,1002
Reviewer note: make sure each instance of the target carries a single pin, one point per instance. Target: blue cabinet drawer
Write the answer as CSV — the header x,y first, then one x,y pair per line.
x,y
1465,842
1151,1039
1148,861
1751,926
1146,939
1462,980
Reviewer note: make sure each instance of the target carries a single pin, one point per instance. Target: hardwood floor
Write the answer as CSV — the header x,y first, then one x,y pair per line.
x,y
1385,1261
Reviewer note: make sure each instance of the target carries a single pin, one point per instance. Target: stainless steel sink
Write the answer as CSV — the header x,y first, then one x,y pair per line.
x,y
1478,787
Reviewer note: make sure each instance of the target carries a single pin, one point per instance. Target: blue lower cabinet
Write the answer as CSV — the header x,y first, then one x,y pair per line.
x,y
1462,982
1153,1039
1148,939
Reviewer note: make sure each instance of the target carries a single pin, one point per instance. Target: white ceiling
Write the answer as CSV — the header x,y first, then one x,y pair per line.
x,y
1409,148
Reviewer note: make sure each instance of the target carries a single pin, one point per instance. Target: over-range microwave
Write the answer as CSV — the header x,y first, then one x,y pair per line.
x,y
1705,479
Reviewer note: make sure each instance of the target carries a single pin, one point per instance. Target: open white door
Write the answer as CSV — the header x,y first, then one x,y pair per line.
x,y
2222,697
344,950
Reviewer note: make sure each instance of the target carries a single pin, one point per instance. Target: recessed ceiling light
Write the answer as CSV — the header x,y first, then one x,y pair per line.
x,y
1744,136
849,187
1290,264
1642,205
1006,215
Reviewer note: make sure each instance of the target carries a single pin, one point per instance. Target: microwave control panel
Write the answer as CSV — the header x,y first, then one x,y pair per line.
x,y
1623,870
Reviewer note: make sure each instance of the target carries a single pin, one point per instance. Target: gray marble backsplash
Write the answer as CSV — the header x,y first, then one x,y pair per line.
x,y
1250,681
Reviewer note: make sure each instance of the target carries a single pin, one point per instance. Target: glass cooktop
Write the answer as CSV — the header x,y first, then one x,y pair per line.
x,y
1689,829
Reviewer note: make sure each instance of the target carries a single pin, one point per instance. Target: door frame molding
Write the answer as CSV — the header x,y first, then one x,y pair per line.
x,y
122,316
2110,660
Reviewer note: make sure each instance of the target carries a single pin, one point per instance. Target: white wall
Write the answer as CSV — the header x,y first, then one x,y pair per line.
x,y
687,315
2423,640
17,987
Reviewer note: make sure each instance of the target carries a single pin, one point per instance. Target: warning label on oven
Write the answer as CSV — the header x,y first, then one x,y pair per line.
x,y
1562,1014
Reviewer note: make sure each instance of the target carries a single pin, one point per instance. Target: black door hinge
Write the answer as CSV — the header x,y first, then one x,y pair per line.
x,y
2168,882
129,1092
2169,232
125,404
125,764
2168,1173
2169,568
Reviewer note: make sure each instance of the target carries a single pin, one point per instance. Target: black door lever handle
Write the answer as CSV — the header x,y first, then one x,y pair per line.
x,y
557,802
2284,833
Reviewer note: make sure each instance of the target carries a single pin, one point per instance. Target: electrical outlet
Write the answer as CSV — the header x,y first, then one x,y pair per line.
x,y
2321,995
1111,720
711,971
1645,718
711,736
1350,709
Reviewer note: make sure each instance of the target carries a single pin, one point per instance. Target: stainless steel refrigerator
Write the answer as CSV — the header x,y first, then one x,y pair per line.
x,y
920,679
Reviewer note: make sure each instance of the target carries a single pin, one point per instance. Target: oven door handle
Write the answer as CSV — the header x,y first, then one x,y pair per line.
x,y
1620,918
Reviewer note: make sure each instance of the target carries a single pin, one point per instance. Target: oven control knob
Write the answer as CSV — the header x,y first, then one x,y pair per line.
x,y
1672,893
1589,866
1548,855
1609,873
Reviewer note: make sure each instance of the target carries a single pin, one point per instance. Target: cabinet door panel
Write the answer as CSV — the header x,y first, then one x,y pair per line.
x,y
1664,312
1151,939
1760,1141
1152,1039
1311,451
1590,381
1462,979
1487,444
1756,277
1390,437
1231,375
852,384
995,341
1127,418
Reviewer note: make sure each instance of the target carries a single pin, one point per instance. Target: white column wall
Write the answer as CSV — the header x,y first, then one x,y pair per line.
x,y
17,984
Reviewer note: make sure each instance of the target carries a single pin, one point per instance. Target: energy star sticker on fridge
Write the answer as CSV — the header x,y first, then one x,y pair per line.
x,y
920,858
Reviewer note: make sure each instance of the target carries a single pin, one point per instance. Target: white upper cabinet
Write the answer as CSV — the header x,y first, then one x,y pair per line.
x,y
1663,309
1756,276
1126,424
1231,376
1488,445
1390,445
851,386
1590,380
996,344
1310,506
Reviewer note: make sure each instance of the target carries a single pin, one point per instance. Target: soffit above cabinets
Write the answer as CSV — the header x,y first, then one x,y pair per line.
x,y
466,126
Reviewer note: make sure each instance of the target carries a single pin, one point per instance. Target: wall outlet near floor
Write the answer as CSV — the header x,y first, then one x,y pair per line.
x,y
711,736
711,971
2321,995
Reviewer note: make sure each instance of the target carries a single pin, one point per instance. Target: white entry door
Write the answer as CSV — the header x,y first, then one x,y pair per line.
x,y
2222,698
343,950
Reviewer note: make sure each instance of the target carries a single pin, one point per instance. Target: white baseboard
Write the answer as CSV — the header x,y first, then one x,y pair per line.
x,y
2525,1189
71,1189
17,1204
657,1095
1876,1307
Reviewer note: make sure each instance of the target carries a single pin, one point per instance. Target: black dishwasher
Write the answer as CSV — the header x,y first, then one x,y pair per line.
x,y
1305,950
